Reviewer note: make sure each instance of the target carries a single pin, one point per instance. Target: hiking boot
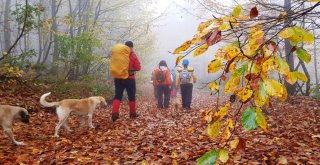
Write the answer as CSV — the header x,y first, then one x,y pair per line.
x,y
114,117
134,115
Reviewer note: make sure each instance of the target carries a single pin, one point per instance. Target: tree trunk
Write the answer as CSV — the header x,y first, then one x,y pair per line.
x,y
315,62
6,25
55,54
289,56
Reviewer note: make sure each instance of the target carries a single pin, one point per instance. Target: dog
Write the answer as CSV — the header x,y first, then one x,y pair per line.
x,y
177,103
64,107
7,115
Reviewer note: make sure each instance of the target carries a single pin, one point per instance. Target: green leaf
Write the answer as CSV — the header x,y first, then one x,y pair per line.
x,y
237,11
248,119
303,55
223,156
240,71
208,158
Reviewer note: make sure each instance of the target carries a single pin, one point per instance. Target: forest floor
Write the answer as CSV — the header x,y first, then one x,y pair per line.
x,y
171,136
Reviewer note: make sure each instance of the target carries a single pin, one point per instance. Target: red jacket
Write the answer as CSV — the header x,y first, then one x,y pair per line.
x,y
134,63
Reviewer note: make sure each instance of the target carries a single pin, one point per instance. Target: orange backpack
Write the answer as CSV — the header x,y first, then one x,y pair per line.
x,y
119,63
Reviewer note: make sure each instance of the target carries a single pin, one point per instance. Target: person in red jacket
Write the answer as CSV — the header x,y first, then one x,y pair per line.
x,y
128,84
162,81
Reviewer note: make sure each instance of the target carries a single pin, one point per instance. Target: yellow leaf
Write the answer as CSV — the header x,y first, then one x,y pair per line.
x,y
226,134
230,123
300,76
283,67
296,34
234,143
282,160
144,162
237,11
314,0
213,130
244,94
214,66
260,99
223,156
225,26
232,84
231,52
261,121
191,130
223,111
204,25
270,64
174,155
179,58
290,77
208,117
286,33
195,40
183,47
200,50
273,87
214,86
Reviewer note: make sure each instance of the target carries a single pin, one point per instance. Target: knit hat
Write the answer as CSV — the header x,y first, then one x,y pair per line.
x,y
129,44
185,62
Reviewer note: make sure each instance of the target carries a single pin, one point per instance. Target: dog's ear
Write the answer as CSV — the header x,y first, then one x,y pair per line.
x,y
24,116
103,101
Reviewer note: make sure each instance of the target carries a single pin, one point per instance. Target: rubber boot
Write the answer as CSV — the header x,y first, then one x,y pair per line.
x,y
132,107
115,109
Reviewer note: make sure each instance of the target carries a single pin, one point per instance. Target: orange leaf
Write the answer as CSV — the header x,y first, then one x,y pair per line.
x,y
183,47
179,58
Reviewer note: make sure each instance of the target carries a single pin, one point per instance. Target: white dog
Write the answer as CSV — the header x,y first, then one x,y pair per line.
x,y
85,106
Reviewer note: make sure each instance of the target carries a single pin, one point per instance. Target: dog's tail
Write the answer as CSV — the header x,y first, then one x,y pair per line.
x,y
44,103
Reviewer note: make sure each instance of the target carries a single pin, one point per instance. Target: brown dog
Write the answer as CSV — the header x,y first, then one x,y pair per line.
x,y
7,115
85,106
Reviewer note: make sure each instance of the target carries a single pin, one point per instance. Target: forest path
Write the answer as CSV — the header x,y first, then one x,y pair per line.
x,y
165,136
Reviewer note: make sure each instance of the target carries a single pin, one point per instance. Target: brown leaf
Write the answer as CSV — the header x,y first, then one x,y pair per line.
x,y
272,46
254,12
214,38
241,145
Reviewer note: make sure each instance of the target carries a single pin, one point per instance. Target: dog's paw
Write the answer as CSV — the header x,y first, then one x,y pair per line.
x,y
92,127
18,143
56,135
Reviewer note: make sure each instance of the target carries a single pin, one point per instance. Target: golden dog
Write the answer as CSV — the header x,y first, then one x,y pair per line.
x,y
7,115
85,106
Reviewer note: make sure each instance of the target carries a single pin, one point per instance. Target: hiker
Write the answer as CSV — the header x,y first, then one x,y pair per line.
x,y
123,65
162,82
185,79
173,84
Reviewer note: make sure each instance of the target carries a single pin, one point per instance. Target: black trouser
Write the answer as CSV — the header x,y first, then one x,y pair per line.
x,y
125,84
163,92
186,94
